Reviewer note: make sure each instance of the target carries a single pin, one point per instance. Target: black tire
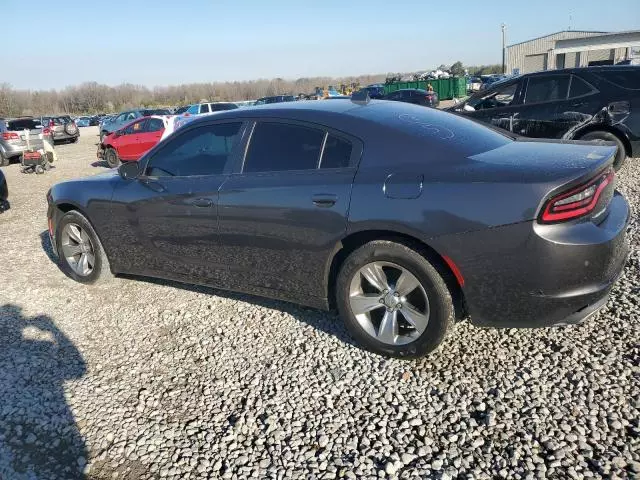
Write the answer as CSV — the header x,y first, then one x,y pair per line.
x,y
609,137
101,270
4,161
441,315
75,139
39,169
111,157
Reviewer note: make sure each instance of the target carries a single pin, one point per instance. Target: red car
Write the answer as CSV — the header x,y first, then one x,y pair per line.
x,y
132,141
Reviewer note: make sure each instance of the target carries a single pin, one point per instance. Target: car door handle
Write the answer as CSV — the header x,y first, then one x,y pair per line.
x,y
324,200
153,185
201,202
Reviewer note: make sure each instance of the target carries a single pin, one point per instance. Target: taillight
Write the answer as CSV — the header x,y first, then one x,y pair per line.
x,y
10,136
52,123
46,131
577,202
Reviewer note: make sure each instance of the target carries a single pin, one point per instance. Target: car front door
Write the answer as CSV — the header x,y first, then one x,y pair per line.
x,y
499,106
168,215
149,136
285,211
544,98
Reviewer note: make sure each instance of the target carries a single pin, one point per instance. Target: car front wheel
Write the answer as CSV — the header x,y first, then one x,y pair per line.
x,y
111,157
393,301
80,252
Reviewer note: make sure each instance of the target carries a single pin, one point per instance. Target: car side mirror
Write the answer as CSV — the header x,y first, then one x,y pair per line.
x,y
129,170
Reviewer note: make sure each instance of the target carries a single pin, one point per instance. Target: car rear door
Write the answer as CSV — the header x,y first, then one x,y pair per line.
x,y
168,215
285,210
544,98
149,136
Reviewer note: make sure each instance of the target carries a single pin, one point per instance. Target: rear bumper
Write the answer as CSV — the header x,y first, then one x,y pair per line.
x,y
530,275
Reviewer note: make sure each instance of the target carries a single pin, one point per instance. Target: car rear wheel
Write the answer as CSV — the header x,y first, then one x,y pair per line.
x,y
80,252
393,301
4,161
609,137
111,157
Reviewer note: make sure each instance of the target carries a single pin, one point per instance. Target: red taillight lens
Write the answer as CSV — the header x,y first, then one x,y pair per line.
x,y
578,201
10,136
46,131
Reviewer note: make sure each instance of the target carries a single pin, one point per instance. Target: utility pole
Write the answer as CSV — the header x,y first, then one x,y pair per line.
x,y
504,51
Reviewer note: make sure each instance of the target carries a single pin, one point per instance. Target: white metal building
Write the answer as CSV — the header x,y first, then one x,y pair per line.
x,y
571,49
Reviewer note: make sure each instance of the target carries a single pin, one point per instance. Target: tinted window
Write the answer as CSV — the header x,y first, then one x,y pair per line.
x,y
135,127
193,109
218,107
336,154
278,147
154,125
204,108
27,123
201,151
502,97
629,79
579,87
131,116
547,89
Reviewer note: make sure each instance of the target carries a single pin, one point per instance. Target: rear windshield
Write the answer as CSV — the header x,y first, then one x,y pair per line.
x,y
623,78
158,111
218,107
27,123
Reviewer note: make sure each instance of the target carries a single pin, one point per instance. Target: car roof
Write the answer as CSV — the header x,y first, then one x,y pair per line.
x,y
597,68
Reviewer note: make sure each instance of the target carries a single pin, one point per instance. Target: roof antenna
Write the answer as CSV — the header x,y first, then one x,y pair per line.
x,y
361,97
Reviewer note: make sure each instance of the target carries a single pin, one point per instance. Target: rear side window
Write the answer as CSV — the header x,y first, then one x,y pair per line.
x,y
336,153
193,109
579,87
218,107
628,79
201,151
204,108
547,89
277,147
154,125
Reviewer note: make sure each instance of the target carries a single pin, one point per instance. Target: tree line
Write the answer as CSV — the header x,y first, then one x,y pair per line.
x,y
93,97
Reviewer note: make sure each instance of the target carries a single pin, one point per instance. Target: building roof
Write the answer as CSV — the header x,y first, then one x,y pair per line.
x,y
556,33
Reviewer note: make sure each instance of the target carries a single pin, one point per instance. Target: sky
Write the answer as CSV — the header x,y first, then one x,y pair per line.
x,y
164,42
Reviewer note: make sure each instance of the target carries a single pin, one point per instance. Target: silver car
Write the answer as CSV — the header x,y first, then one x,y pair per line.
x,y
21,134
62,127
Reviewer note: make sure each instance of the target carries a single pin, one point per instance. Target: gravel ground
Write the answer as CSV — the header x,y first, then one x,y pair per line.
x,y
147,379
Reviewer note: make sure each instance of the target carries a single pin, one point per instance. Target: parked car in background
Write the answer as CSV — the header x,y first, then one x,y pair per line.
x,y
133,140
275,99
181,110
124,118
83,121
415,96
63,128
591,103
403,228
19,134
4,193
376,91
202,108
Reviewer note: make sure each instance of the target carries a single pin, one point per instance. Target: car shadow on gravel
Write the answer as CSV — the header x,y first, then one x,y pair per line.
x,y
45,242
39,437
100,163
327,322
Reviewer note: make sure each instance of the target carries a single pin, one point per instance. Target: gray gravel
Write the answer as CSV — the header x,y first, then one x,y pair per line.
x,y
145,379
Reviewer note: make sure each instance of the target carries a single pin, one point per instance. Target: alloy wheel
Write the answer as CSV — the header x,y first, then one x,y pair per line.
x,y
78,249
389,303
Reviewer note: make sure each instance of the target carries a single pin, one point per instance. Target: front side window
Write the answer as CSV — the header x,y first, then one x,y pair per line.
x,y
193,109
201,151
135,127
277,147
502,97
547,89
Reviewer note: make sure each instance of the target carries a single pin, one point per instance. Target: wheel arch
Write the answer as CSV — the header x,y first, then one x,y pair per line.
x,y
355,240
606,128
